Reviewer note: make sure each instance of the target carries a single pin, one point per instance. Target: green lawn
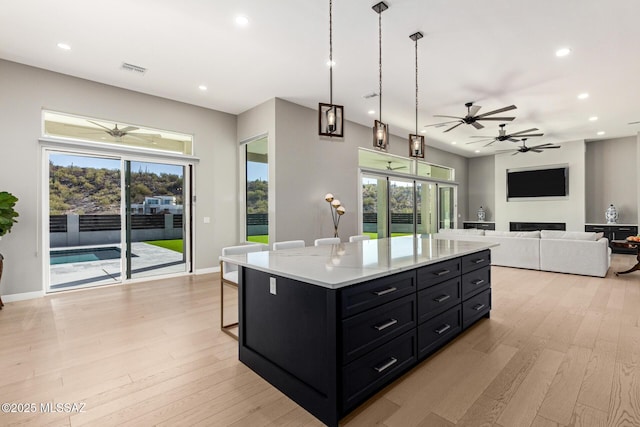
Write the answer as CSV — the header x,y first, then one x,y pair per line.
x,y
174,245
259,239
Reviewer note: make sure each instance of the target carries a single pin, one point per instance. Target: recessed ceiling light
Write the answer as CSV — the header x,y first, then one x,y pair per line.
x,y
601,132
454,142
372,112
423,131
202,87
584,95
64,46
331,63
563,52
477,151
242,21
593,118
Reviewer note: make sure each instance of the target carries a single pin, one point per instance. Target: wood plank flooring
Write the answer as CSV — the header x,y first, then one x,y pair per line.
x,y
559,350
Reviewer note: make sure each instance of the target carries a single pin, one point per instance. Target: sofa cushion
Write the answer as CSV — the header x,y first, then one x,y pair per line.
x,y
570,235
468,231
529,234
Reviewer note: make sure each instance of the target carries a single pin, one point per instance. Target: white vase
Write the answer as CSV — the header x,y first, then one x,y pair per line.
x,y
611,214
481,214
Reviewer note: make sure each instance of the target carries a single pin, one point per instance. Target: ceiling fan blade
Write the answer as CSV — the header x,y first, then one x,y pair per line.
x,y
499,110
481,140
518,151
477,125
546,148
441,124
449,117
513,140
454,126
478,136
486,145
536,151
542,145
500,119
473,110
129,129
524,131
526,135
98,124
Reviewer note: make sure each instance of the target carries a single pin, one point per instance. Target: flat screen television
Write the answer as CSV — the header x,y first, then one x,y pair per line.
x,y
544,182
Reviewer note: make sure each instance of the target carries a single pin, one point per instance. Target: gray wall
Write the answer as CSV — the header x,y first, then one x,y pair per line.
x,y
482,187
612,177
305,166
25,91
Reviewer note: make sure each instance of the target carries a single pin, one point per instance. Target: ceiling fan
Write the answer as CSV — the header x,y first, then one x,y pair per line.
x,y
125,131
392,168
524,148
504,136
472,118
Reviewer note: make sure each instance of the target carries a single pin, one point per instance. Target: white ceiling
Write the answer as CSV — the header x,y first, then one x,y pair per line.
x,y
492,52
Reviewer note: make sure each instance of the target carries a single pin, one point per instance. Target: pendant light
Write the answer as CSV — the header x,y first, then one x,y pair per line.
x,y
416,142
330,116
380,129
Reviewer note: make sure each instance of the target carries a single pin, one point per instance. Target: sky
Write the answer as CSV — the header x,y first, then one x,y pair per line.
x,y
257,170
103,163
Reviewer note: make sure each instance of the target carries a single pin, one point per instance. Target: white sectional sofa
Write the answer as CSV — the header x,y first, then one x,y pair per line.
x,y
549,250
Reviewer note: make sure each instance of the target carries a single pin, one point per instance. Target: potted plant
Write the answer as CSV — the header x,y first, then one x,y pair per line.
x,y
7,213
7,219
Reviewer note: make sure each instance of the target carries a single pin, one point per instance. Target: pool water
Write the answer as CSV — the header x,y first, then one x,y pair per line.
x,y
83,255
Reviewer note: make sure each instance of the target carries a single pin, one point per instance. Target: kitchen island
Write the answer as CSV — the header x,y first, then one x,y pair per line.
x,y
331,325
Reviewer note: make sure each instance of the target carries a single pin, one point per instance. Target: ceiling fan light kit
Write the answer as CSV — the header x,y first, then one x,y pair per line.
x,y
416,142
330,116
380,129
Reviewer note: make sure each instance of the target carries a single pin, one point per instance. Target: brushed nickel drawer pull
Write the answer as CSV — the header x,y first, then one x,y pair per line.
x,y
442,272
478,261
624,229
598,228
443,329
477,282
386,365
386,324
442,298
385,291
478,307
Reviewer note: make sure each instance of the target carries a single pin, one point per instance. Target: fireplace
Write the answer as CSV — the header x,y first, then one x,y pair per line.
x,y
533,226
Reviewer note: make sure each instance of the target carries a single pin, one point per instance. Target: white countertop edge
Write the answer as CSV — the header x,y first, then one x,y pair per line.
x,y
375,273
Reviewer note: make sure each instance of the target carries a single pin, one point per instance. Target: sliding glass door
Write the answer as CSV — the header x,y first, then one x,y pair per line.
x,y
155,235
395,206
113,219
85,245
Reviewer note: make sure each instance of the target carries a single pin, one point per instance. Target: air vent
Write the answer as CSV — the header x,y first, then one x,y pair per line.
x,y
370,95
133,68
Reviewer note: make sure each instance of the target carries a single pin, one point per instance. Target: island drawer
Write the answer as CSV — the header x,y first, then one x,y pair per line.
x,y
475,307
436,299
437,331
364,376
476,281
475,261
438,273
358,298
366,331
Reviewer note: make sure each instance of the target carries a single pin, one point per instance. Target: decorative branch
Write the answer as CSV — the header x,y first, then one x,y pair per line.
x,y
337,210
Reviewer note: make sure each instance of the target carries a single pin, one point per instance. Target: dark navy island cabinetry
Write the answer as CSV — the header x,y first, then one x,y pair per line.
x,y
330,348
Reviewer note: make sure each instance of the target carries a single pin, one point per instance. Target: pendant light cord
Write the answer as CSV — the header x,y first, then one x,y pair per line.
x,y
331,52
380,63
416,86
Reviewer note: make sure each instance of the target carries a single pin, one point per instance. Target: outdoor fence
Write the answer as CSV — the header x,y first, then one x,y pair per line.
x,y
84,230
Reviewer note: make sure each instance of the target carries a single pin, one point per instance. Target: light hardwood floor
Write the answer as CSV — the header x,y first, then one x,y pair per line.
x,y
559,350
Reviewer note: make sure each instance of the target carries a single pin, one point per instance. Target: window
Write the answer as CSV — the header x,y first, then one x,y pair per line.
x,y
105,132
257,191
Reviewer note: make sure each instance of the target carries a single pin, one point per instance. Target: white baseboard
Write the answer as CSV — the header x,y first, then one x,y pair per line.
x,y
22,296
208,270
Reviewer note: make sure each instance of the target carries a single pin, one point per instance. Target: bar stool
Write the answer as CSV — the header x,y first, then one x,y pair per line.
x,y
288,244
229,277
359,238
327,241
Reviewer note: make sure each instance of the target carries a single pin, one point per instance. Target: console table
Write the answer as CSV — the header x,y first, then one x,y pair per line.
x,y
329,326
615,232
480,225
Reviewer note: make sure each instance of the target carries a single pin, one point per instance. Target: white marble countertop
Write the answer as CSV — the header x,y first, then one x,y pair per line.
x,y
336,266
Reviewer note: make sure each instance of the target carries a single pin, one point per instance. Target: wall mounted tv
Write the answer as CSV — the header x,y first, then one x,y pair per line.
x,y
539,182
